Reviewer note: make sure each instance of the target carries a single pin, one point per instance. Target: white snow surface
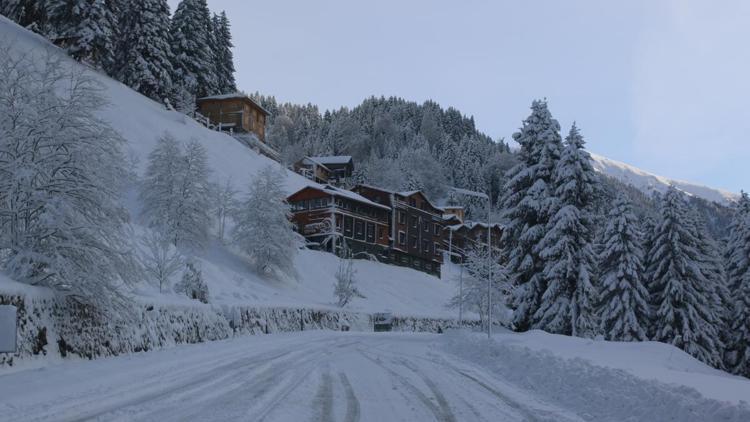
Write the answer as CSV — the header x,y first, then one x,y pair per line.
x,y
329,376
649,182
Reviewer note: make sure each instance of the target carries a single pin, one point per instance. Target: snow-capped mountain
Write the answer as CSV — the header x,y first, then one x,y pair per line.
x,y
649,182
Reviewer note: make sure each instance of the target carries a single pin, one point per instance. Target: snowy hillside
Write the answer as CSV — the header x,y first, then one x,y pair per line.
x,y
648,182
141,121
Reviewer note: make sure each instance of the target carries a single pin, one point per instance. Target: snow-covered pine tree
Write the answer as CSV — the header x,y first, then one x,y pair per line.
x,y
526,210
737,257
623,305
192,284
87,29
345,288
263,228
475,276
737,254
567,305
175,192
680,292
144,55
61,171
193,55
223,57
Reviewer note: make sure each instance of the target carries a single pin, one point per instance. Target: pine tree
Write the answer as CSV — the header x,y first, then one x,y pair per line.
x,y
87,29
624,301
737,254
192,284
193,55
223,57
567,305
680,292
526,204
263,228
738,271
144,56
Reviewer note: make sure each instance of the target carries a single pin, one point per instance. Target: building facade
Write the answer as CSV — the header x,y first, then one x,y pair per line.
x,y
416,228
331,218
236,112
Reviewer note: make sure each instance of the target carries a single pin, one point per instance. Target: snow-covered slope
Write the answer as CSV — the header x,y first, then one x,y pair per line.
x,y
648,182
142,121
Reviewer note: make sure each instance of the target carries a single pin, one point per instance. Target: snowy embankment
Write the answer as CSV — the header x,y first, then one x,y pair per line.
x,y
231,281
608,380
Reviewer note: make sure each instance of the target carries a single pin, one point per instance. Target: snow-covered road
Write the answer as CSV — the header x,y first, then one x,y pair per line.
x,y
319,376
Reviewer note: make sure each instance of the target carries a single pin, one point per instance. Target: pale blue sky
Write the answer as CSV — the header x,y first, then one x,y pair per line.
x,y
661,85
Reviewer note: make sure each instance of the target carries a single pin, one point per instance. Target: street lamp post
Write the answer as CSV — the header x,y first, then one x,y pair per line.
x,y
489,253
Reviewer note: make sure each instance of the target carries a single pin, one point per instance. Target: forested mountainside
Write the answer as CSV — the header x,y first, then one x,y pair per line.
x,y
397,144
403,145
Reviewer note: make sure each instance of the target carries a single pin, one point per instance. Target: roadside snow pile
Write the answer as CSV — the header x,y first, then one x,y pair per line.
x,y
609,381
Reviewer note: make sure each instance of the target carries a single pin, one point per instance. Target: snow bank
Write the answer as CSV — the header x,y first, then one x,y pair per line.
x,y
650,381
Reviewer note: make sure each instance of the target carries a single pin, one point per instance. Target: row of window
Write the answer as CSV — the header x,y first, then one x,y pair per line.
x,y
311,204
360,230
413,244
419,264
415,223
318,203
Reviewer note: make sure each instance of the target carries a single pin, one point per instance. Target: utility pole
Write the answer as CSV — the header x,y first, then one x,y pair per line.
x,y
489,268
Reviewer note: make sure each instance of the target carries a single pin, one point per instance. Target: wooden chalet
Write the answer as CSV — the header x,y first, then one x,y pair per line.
x,y
461,237
328,216
416,228
236,112
326,169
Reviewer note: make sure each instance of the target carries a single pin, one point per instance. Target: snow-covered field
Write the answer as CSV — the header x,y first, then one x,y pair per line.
x,y
328,376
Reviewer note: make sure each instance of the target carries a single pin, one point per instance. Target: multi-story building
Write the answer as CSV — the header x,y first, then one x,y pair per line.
x,y
329,217
416,228
461,237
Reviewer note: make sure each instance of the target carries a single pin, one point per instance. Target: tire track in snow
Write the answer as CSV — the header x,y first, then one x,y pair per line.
x,y
352,403
324,397
434,409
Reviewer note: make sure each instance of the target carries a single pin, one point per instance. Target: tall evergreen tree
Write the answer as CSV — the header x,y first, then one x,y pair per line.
x,y
738,272
86,28
567,305
527,210
223,57
624,301
680,292
144,56
193,56
737,254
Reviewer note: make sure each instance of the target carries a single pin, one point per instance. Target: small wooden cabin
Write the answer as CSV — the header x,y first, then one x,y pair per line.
x,y
329,169
236,111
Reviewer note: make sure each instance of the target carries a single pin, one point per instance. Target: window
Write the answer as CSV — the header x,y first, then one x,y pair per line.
x,y
402,217
404,259
370,232
426,227
414,222
426,246
414,243
338,222
437,248
348,224
359,229
436,229
381,232
401,238
413,202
